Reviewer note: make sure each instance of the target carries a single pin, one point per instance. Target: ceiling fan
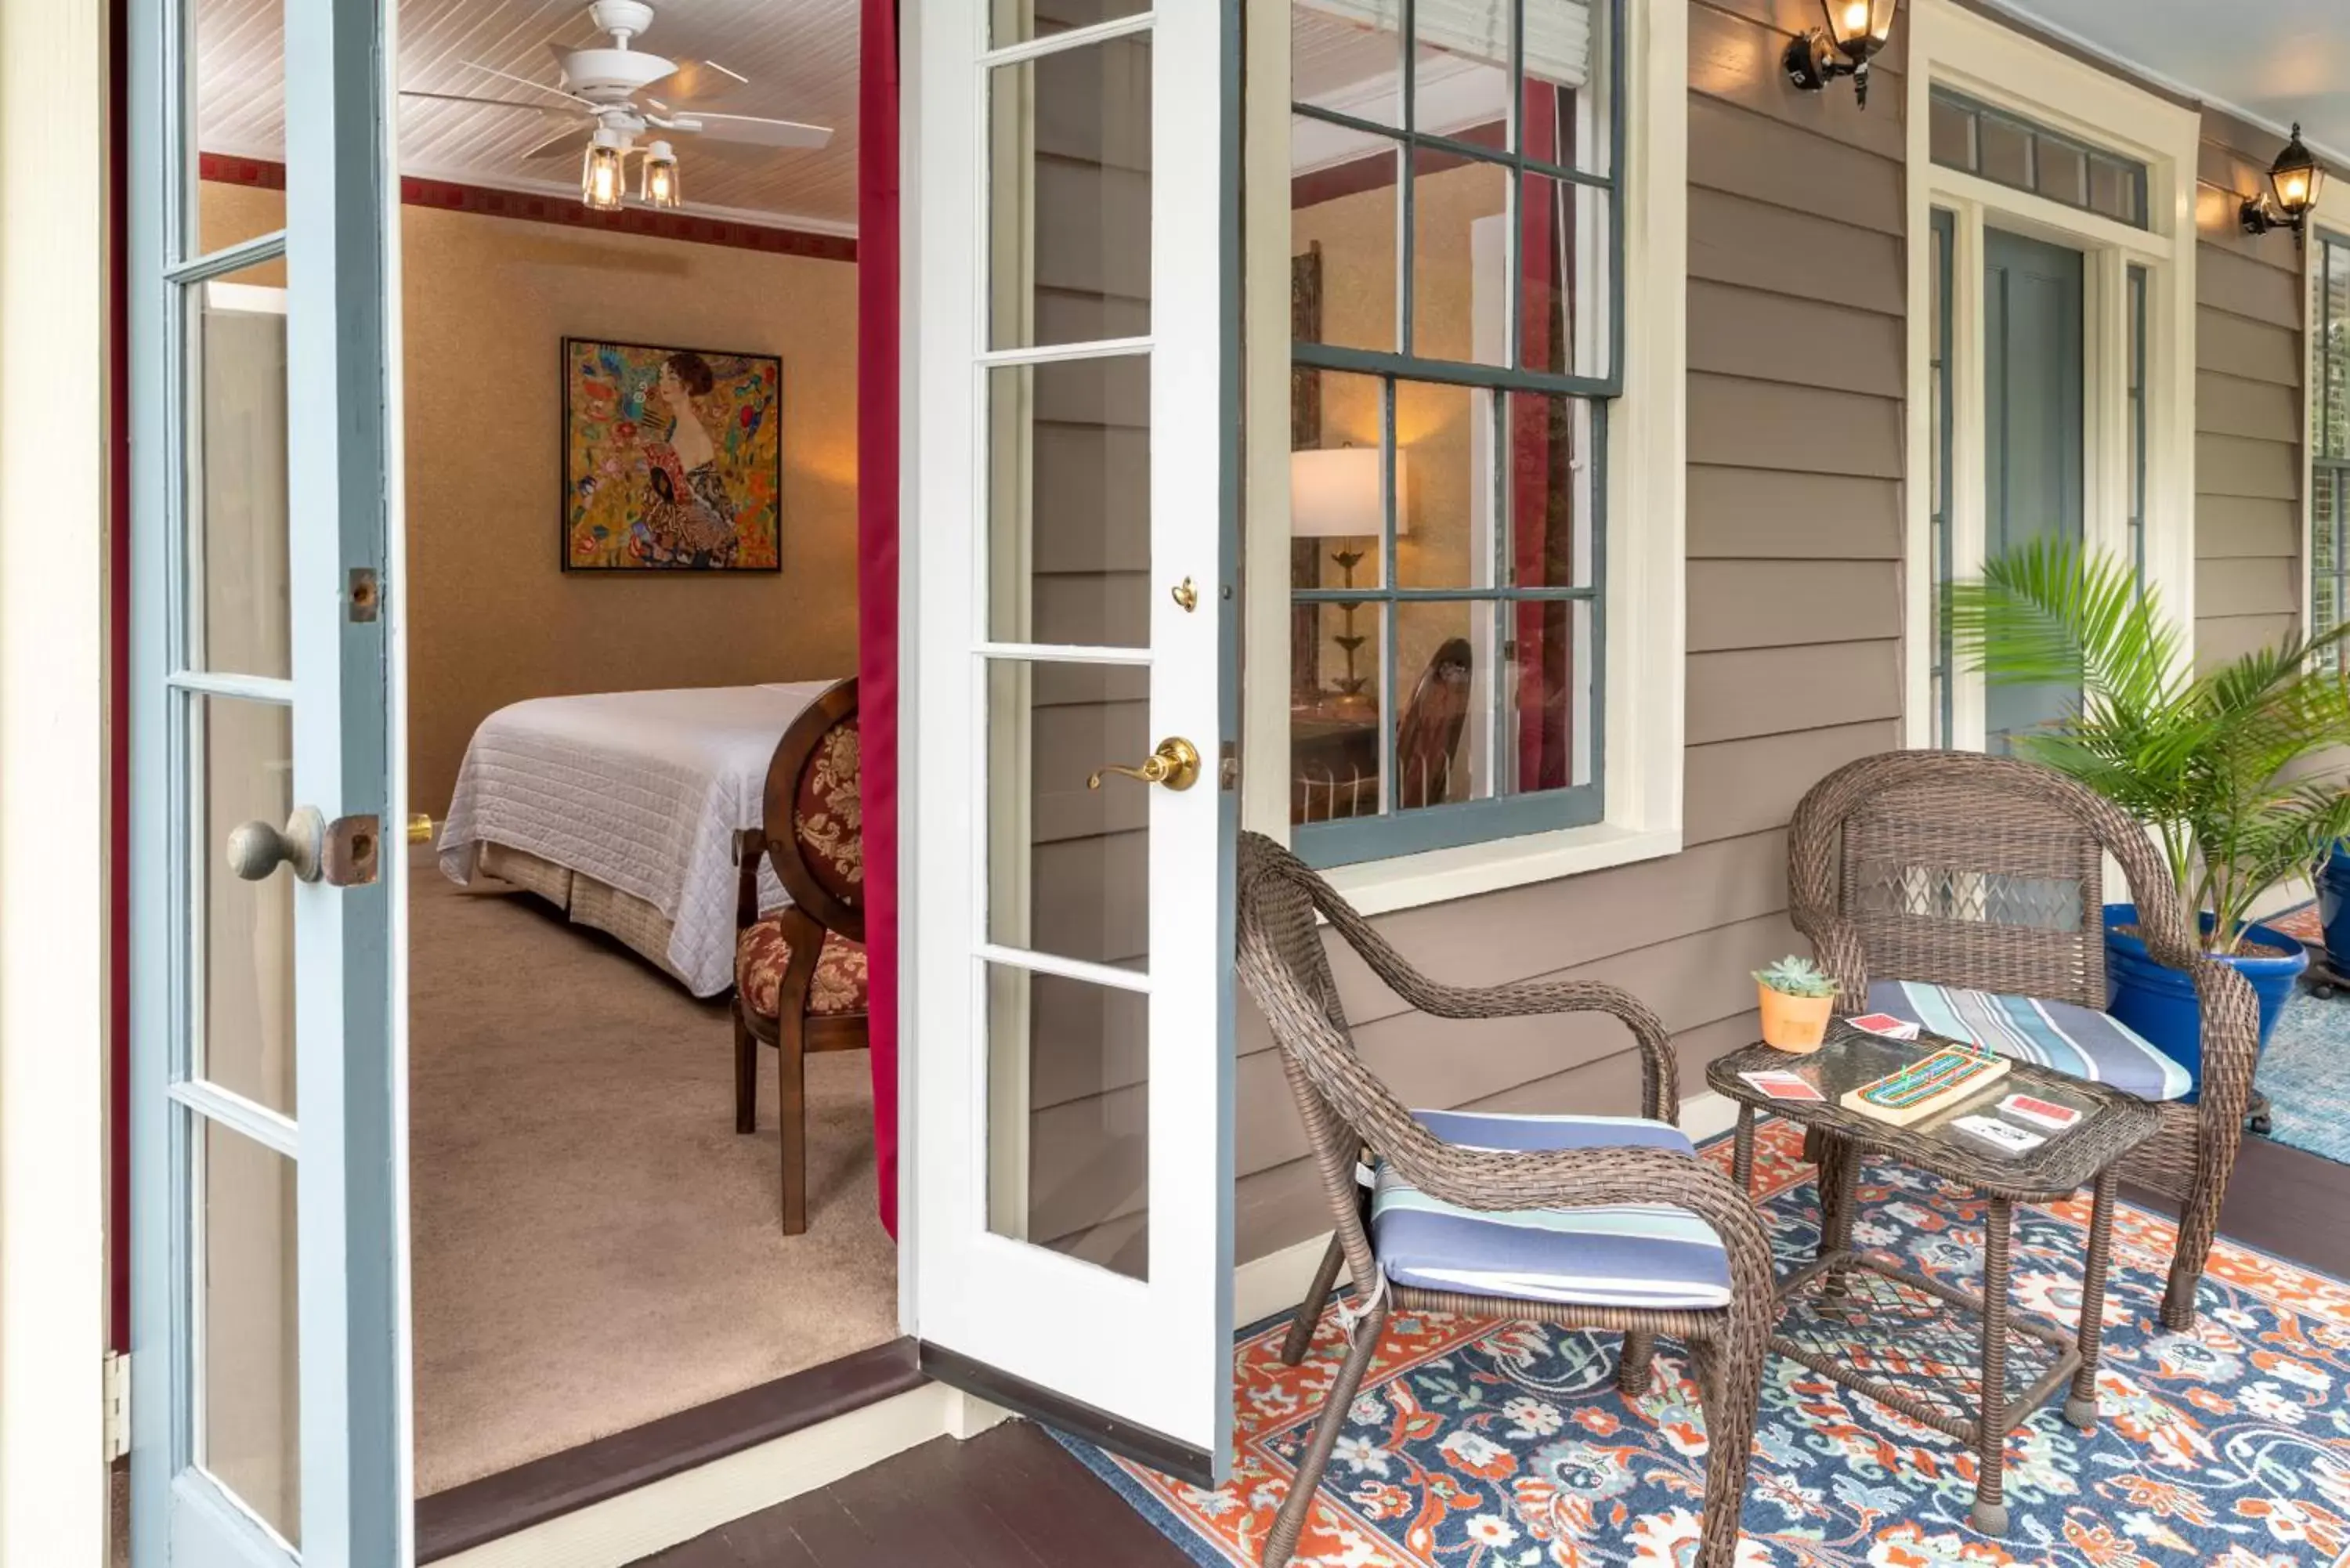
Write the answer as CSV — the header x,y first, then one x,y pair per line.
x,y
613,94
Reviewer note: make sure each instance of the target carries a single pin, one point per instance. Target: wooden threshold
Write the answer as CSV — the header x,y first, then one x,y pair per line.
x,y
467,1516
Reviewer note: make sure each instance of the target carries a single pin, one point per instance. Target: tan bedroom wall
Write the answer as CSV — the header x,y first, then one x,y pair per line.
x,y
493,618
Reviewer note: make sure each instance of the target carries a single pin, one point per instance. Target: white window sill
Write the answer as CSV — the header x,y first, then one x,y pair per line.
x,y
1409,881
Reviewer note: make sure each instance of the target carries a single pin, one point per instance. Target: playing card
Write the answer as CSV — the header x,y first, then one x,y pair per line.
x,y
1885,1023
2040,1113
1783,1086
1998,1134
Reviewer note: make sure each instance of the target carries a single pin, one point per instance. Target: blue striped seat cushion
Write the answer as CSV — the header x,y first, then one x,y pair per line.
x,y
1631,1254
2060,1034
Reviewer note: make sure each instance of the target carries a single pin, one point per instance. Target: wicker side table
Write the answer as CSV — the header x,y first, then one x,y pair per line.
x,y
1889,1331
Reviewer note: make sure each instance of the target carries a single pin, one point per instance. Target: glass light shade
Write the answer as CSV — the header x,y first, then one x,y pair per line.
x,y
600,178
660,187
1859,28
1334,493
2296,177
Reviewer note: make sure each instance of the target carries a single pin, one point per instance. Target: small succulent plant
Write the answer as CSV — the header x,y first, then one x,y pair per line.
x,y
1793,976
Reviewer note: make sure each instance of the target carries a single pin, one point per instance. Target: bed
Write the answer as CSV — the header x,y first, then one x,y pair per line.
x,y
623,808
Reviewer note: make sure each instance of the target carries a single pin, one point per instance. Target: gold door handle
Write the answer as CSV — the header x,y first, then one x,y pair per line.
x,y
1176,765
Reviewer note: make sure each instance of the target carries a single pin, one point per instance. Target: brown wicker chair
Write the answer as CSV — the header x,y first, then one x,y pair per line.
x,y
1346,1110
1956,869
799,974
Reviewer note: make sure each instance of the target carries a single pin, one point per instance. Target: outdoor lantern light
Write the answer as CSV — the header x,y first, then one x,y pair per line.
x,y
1856,31
600,176
2294,181
659,187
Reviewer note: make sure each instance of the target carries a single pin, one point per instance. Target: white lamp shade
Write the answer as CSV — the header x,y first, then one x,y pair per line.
x,y
1334,493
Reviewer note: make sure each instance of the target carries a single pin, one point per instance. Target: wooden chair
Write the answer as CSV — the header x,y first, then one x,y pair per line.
x,y
1713,1271
1947,872
1425,742
800,973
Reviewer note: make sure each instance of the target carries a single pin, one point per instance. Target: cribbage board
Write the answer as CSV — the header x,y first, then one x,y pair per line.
x,y
1933,1083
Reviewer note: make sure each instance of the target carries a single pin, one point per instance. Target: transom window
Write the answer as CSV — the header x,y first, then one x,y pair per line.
x,y
2329,436
1977,138
1457,331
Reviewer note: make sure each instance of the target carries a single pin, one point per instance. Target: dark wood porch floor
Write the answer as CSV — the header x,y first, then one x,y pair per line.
x,y
1013,1497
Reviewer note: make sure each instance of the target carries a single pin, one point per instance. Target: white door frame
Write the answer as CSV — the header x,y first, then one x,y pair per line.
x,y
1997,65
54,854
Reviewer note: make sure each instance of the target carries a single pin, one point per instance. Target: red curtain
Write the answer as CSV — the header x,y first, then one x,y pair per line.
x,y
1542,448
877,556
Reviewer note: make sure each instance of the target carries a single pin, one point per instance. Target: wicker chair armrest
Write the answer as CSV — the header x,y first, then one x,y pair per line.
x,y
2231,1040
1590,1178
1660,1078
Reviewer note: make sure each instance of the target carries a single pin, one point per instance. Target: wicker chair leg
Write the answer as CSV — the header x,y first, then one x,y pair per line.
x,y
746,1073
1634,1373
1309,1311
2195,1228
1290,1522
1729,1389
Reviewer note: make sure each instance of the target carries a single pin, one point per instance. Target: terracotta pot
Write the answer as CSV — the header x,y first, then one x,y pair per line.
x,y
1794,1023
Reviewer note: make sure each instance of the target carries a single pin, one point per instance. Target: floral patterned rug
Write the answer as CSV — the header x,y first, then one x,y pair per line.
x,y
1477,1444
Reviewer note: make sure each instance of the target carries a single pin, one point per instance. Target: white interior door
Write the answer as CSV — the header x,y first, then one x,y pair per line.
x,y
1075,365
268,1239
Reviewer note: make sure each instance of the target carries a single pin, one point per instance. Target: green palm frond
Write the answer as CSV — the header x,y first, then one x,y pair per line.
x,y
2229,768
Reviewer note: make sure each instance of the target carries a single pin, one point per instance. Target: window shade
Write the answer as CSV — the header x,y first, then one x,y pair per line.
x,y
1559,32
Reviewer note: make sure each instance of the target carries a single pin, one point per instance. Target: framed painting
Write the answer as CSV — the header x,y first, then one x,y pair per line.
x,y
672,459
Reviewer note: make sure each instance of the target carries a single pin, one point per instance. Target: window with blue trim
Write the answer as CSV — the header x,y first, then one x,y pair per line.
x,y
1456,336
2329,437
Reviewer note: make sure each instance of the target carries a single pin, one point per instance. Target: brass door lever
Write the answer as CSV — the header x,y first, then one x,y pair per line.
x,y
1176,765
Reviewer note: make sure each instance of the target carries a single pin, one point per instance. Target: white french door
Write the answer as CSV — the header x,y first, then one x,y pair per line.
x,y
1074,198
268,1236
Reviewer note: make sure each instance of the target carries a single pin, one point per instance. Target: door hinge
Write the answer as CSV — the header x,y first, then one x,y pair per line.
x,y
116,1381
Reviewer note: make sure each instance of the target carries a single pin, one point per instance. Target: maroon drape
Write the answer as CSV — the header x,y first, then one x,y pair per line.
x,y
877,556
1541,459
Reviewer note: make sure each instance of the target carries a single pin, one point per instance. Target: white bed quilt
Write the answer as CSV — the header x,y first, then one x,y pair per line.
x,y
642,790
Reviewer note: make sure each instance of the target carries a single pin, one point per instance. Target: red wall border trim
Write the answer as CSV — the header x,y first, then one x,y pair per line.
x,y
539,207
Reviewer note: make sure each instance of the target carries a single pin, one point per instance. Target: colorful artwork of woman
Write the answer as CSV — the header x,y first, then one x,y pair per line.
x,y
674,459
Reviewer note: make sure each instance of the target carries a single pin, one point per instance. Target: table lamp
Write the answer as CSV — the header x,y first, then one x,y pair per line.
x,y
1334,493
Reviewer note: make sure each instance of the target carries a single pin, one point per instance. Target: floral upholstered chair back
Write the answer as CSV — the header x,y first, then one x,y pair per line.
x,y
821,860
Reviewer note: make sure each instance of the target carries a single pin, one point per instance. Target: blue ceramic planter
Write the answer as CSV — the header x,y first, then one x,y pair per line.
x,y
2159,1003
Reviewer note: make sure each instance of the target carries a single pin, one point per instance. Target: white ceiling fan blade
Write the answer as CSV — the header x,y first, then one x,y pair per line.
x,y
484,102
566,143
757,131
535,87
699,81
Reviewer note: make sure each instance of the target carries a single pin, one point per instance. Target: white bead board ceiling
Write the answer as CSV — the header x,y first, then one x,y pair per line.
x,y
799,55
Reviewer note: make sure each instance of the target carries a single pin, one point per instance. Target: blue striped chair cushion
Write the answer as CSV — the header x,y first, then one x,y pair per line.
x,y
1640,1255
2060,1034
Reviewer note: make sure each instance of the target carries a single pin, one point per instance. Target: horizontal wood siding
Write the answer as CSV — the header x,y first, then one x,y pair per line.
x,y
1794,617
2248,418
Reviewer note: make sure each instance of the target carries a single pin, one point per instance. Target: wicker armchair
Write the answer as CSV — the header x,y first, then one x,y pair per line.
x,y
1347,1110
800,972
1953,868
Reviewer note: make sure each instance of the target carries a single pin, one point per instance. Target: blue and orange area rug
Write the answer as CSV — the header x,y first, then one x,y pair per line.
x,y
1477,1444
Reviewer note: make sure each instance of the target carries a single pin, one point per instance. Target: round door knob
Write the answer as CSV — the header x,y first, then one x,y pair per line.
x,y
256,848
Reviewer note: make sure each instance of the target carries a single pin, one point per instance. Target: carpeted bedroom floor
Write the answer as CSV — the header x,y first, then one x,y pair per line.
x,y
594,1246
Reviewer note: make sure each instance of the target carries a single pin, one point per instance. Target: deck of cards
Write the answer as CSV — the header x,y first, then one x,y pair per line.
x,y
1783,1085
2040,1113
1886,1025
2000,1135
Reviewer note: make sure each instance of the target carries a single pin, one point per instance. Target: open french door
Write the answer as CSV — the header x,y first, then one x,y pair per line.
x,y
1075,364
268,1241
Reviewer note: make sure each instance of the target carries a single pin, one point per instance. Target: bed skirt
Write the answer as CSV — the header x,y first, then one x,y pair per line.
x,y
638,925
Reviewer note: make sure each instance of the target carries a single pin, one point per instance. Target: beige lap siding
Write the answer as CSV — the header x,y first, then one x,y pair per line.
x,y
1796,303
2248,404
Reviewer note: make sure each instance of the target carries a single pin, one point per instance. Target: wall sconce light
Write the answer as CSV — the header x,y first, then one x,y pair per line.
x,y
2295,180
1856,31
600,176
660,183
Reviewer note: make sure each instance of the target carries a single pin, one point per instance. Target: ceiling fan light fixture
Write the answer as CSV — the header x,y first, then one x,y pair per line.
x,y
659,186
602,181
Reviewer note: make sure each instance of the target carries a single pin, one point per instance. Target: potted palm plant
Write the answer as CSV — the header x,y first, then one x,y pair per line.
x,y
2221,766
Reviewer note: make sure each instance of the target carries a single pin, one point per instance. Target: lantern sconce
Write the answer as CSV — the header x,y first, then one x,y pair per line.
x,y
2294,181
1854,31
